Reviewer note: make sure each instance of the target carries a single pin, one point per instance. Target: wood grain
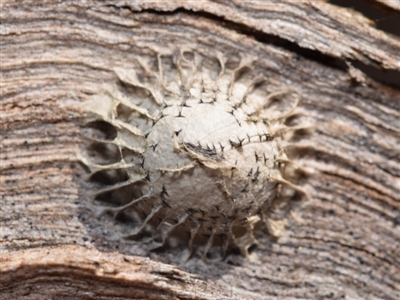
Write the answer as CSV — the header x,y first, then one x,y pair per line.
x,y
87,273
343,242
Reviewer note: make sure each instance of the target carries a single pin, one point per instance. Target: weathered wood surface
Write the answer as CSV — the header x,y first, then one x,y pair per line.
x,y
395,5
341,243
65,271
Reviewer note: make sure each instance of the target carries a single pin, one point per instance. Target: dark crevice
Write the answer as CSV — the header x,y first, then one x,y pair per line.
x,y
258,35
387,77
385,19
313,55
266,38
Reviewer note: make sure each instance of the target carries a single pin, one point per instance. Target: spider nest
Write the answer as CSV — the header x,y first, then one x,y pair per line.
x,y
192,146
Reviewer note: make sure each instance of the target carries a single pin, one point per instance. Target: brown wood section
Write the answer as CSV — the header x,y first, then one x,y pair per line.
x,y
342,243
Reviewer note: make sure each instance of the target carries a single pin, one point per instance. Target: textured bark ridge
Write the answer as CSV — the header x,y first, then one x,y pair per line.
x,y
75,272
197,143
341,243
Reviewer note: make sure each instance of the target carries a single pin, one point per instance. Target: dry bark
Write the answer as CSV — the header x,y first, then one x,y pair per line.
x,y
81,273
343,242
390,4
